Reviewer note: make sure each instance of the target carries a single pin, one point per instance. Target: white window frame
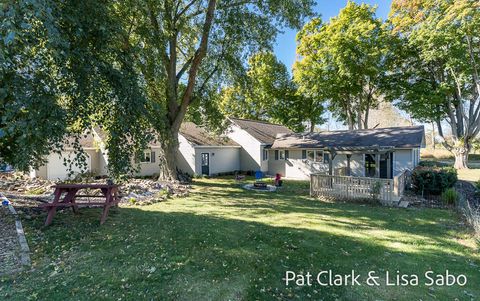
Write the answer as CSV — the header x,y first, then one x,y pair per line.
x,y
317,154
265,155
281,154
149,157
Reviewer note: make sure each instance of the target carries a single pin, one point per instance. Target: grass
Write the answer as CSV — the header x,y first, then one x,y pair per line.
x,y
225,243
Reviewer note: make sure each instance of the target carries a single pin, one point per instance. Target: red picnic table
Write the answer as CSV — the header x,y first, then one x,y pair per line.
x,y
109,198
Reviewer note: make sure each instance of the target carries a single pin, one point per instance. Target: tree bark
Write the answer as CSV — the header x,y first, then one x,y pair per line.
x,y
461,156
167,158
177,104
312,126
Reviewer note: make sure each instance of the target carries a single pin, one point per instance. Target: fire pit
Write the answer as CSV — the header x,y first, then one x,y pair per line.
x,y
260,186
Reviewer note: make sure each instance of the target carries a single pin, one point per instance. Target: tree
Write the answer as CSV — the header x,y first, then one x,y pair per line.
x,y
440,65
266,92
185,47
63,71
345,62
126,66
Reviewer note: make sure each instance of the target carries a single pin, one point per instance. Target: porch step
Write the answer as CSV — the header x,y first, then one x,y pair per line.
x,y
403,204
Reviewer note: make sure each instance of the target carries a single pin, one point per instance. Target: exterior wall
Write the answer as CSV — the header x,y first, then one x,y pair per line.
x,y
103,163
251,151
150,169
222,159
55,170
403,159
264,163
295,167
186,156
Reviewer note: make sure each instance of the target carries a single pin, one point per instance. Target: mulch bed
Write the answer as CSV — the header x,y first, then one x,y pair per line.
x,y
9,244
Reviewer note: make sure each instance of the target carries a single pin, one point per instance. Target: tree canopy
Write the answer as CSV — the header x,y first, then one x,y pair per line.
x,y
268,93
345,62
63,71
126,66
439,67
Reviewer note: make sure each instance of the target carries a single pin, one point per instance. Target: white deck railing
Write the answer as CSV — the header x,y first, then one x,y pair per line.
x,y
386,190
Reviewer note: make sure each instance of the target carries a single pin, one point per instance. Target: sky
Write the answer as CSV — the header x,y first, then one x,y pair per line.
x,y
285,44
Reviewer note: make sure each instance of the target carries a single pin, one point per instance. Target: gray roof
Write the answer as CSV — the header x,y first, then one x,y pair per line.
x,y
396,137
198,136
263,131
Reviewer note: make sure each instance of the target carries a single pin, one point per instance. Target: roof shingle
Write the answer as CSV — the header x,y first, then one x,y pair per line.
x,y
263,131
197,135
397,137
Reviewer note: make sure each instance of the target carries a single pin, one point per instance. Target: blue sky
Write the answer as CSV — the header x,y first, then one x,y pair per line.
x,y
285,44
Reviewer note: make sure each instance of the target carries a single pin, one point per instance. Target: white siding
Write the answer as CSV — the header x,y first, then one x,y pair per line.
x,y
56,170
295,167
403,160
150,169
222,159
251,151
186,156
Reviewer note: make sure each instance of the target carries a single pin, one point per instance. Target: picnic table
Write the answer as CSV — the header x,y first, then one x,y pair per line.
x,y
109,197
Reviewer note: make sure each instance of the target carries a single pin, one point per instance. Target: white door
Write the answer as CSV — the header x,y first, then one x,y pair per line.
x,y
57,171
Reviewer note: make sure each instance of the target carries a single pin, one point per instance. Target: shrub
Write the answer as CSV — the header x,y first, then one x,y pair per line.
x,y
375,190
433,180
450,196
477,188
431,163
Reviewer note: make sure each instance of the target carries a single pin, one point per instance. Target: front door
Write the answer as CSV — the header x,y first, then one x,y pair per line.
x,y
205,164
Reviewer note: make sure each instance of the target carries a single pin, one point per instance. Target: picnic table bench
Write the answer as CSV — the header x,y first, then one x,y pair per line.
x,y
109,197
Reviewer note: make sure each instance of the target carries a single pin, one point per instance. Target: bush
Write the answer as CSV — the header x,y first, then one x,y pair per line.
x,y
432,164
433,180
477,188
450,196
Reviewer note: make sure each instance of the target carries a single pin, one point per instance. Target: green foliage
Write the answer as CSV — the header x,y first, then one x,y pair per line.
x,y
431,163
450,196
433,180
477,188
36,191
376,189
267,93
437,64
345,61
64,71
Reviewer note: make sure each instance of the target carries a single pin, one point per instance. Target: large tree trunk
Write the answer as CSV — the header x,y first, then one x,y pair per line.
x,y
461,156
167,162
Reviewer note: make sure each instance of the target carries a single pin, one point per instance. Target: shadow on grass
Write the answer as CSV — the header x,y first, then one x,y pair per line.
x,y
151,254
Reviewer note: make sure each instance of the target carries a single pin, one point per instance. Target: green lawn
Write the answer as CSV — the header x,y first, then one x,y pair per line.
x,y
225,243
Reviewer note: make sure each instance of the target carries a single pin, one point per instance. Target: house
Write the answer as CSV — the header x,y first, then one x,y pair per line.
x,y
255,138
199,153
380,153
250,145
205,154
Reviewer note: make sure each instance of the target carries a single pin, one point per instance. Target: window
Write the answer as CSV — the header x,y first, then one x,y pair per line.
x,y
311,155
314,155
265,155
281,154
326,158
148,157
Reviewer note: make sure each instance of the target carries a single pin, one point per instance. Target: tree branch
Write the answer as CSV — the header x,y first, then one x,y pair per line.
x,y
195,65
